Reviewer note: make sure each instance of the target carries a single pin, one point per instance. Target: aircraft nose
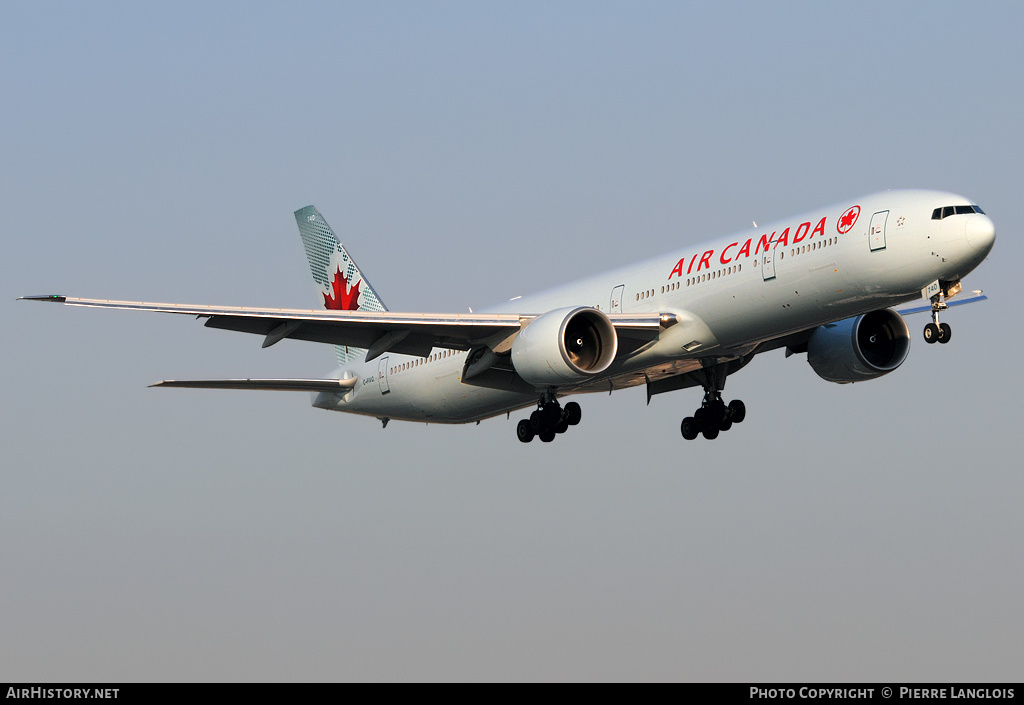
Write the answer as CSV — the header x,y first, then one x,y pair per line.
x,y
981,232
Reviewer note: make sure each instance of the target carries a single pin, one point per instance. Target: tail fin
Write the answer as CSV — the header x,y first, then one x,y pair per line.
x,y
335,274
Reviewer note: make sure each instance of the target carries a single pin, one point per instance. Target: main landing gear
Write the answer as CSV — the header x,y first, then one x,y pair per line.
x,y
936,332
548,420
714,415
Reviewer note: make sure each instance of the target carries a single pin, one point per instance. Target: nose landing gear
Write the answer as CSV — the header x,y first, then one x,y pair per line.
x,y
936,332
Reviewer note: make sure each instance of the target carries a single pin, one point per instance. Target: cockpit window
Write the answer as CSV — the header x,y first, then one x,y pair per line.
x,y
946,211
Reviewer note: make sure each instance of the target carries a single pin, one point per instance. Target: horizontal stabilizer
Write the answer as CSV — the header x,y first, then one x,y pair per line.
x,y
274,385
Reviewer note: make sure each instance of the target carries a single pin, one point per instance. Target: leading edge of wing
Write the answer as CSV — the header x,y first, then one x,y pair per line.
x,y
273,385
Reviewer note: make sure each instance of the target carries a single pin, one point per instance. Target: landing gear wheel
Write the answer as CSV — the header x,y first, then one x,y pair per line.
x,y
689,428
573,413
537,421
945,332
710,433
562,426
932,333
726,425
547,436
717,413
524,431
737,411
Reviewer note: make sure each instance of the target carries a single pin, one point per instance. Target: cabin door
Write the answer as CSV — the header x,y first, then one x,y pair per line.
x,y
768,264
615,304
876,230
382,375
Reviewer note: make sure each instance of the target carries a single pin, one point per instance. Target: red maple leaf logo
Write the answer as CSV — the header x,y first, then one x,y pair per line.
x,y
343,298
847,219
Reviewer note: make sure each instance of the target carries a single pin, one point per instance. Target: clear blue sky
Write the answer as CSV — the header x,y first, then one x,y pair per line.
x,y
468,153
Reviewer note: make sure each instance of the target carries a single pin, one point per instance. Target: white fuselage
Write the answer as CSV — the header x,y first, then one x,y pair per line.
x,y
736,292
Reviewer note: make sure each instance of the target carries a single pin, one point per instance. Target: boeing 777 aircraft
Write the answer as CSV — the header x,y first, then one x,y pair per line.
x,y
822,283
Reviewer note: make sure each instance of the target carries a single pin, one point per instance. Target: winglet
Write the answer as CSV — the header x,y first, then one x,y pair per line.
x,y
55,298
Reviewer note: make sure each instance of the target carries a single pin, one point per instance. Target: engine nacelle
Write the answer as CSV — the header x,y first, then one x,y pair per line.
x,y
564,346
861,348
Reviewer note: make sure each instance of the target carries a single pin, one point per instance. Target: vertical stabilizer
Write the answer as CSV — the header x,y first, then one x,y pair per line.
x,y
335,274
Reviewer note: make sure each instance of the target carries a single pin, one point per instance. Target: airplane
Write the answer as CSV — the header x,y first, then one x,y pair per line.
x,y
822,283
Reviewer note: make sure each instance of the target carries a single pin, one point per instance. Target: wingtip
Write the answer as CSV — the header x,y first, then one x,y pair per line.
x,y
55,298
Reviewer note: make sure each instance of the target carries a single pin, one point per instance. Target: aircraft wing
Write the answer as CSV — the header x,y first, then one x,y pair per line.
x,y
977,296
273,385
376,331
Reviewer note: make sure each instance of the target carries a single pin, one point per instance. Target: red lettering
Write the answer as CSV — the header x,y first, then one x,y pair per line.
x,y
783,238
765,240
819,229
745,250
704,260
678,268
722,259
804,227
690,268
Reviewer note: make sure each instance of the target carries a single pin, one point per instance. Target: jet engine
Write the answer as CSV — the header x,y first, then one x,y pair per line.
x,y
860,348
564,346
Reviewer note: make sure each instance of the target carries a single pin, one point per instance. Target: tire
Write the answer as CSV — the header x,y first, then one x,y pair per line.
x,y
524,431
537,421
689,428
547,436
573,413
562,426
710,433
931,333
737,411
726,425
945,333
716,414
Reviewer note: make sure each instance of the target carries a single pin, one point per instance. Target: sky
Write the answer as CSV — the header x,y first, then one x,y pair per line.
x,y
467,153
